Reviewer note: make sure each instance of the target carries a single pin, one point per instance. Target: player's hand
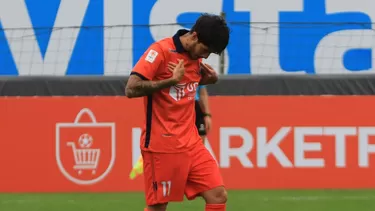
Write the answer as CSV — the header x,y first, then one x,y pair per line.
x,y
209,75
178,70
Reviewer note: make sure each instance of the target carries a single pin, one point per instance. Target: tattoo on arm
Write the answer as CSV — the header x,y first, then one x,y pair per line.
x,y
136,87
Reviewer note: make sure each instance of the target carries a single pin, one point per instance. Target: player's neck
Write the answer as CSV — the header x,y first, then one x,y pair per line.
x,y
184,41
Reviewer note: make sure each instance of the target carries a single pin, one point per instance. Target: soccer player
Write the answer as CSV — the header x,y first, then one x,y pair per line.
x,y
202,111
175,160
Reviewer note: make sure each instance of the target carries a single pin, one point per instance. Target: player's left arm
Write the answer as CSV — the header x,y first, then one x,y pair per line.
x,y
209,75
203,102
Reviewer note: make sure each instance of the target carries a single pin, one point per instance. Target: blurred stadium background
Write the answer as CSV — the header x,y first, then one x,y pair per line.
x,y
54,40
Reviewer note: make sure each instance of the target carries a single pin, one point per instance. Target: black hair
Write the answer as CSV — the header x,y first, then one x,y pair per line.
x,y
212,31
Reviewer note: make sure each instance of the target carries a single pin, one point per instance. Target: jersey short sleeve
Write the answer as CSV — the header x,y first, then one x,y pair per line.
x,y
149,63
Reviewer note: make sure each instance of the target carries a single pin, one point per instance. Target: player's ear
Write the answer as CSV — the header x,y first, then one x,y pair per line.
x,y
194,36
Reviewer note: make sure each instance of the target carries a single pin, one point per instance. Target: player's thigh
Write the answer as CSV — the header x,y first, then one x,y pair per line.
x,y
204,174
165,176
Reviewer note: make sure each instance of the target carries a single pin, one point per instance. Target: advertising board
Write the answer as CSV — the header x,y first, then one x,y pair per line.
x,y
65,144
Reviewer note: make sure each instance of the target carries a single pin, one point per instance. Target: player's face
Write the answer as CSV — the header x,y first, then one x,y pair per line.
x,y
197,49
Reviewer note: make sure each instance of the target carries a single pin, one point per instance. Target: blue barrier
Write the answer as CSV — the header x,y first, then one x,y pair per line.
x,y
289,36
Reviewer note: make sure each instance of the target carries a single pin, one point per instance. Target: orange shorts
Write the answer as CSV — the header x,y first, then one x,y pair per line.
x,y
168,177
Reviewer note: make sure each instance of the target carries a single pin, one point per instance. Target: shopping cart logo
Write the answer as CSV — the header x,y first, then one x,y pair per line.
x,y
85,158
85,151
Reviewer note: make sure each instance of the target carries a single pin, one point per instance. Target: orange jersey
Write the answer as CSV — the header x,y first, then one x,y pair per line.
x,y
170,113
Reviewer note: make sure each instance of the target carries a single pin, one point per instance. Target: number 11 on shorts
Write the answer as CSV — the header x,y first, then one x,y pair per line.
x,y
166,188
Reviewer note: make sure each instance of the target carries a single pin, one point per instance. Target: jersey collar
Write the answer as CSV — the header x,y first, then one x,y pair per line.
x,y
177,41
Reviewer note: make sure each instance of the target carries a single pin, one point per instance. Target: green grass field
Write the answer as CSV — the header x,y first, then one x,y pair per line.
x,y
260,200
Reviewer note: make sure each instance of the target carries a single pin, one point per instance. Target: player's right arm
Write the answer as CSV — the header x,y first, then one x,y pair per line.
x,y
137,86
141,81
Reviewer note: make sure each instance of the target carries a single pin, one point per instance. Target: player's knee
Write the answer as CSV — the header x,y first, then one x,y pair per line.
x,y
216,196
222,196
